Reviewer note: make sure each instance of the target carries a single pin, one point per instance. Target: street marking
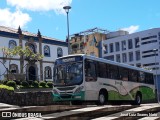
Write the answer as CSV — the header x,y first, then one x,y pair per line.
x,y
151,118
131,111
91,108
72,112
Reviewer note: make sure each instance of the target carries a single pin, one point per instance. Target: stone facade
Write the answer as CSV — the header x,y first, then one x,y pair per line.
x,y
26,98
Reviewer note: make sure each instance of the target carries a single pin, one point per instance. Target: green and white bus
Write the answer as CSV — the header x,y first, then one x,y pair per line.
x,y
79,78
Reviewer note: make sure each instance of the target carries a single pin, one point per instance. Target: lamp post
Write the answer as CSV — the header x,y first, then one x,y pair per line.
x,y
67,8
156,80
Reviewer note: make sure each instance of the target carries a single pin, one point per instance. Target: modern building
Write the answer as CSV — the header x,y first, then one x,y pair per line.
x,y
141,49
87,42
50,48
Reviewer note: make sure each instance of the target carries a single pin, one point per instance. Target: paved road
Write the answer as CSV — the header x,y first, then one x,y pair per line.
x,y
135,112
106,112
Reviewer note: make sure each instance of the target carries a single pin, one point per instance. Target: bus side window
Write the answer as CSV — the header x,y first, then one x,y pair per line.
x,y
123,73
90,71
141,77
102,70
152,79
133,75
149,78
113,72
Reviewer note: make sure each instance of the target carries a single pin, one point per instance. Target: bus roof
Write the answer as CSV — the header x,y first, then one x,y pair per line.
x,y
107,61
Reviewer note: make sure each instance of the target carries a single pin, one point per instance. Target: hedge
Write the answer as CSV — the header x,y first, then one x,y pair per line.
x,y
6,87
11,83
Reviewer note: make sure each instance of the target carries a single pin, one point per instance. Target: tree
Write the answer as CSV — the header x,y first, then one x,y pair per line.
x,y
26,54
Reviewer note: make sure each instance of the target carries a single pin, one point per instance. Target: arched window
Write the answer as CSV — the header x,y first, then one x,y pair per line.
x,y
13,68
12,44
32,47
48,72
46,51
59,52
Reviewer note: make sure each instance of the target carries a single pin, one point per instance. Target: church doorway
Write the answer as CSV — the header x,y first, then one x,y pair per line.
x,y
32,73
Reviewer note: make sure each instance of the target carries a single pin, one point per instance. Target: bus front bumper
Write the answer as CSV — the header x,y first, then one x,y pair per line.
x,y
69,97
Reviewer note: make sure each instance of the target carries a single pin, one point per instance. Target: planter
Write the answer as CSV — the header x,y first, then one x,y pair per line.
x,y
26,98
33,90
16,76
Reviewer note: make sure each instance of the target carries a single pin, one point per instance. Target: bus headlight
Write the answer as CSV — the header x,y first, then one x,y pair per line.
x,y
55,91
79,89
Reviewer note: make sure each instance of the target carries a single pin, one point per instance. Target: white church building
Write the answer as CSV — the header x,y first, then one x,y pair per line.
x,y
50,48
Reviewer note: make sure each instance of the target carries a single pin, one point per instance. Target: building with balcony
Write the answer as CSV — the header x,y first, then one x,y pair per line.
x,y
87,42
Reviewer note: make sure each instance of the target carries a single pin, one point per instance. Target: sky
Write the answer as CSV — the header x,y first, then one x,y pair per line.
x,y
49,17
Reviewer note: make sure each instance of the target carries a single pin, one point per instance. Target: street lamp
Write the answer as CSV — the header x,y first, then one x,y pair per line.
x,y
156,80
67,8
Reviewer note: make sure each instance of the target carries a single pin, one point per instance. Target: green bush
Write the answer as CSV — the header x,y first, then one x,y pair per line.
x,y
42,83
4,82
6,87
35,84
50,84
11,83
30,82
25,84
18,82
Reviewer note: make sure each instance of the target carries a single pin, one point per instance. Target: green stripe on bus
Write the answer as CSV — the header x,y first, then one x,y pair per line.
x,y
147,94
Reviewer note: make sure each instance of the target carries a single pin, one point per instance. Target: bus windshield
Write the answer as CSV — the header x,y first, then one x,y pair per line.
x,y
68,74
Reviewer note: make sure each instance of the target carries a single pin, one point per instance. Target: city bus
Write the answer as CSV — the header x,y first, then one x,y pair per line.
x,y
79,78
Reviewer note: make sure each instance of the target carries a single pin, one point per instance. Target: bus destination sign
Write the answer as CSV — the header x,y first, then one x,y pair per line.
x,y
68,59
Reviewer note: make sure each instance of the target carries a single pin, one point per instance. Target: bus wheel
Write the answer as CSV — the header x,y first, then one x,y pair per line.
x,y
102,98
138,99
